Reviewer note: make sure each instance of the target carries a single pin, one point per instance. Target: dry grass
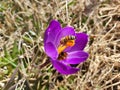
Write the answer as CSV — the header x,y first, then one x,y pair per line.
x,y
22,25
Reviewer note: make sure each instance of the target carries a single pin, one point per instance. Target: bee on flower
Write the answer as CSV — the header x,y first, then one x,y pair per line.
x,y
64,47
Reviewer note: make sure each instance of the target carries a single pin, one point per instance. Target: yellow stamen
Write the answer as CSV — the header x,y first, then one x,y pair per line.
x,y
61,48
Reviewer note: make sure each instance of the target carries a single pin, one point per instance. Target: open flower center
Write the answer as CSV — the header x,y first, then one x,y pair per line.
x,y
65,42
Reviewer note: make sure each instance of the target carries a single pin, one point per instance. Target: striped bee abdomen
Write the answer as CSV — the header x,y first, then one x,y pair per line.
x,y
66,39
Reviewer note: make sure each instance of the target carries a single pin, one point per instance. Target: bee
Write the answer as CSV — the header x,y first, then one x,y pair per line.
x,y
64,40
62,56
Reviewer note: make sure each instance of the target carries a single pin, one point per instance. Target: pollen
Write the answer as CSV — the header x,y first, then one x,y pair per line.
x,y
62,47
70,43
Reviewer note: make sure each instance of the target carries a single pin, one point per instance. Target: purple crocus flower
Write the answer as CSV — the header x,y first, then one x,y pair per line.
x,y
64,47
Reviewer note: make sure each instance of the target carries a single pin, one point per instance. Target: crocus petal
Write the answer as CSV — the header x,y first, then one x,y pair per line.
x,y
66,31
76,57
63,68
51,50
80,42
52,31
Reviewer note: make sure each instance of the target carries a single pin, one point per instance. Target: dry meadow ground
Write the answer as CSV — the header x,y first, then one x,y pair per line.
x,y
22,26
